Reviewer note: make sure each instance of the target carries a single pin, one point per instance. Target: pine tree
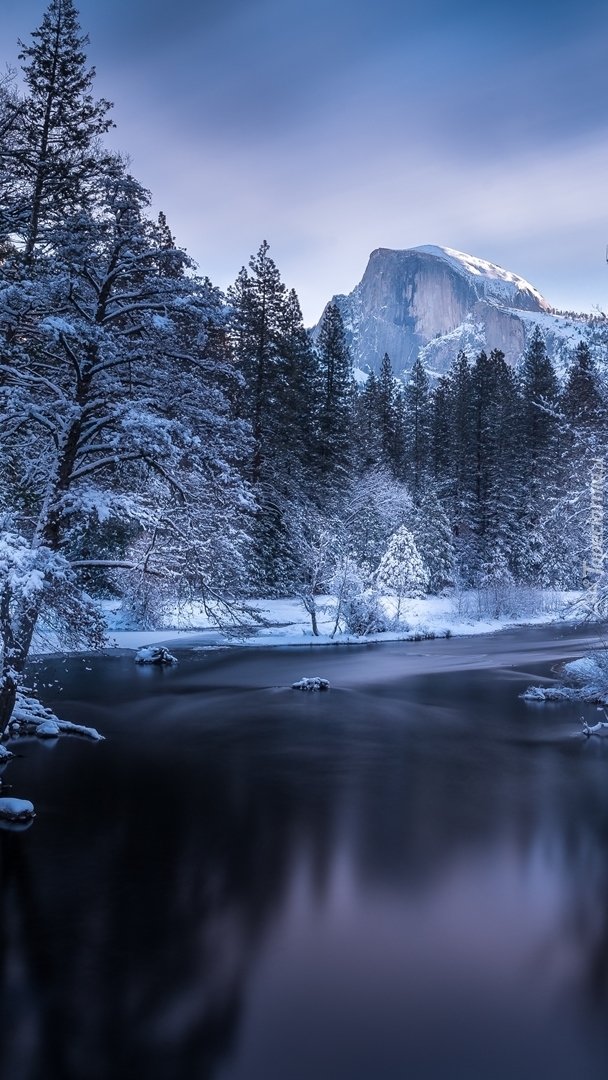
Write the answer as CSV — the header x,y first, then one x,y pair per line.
x,y
337,399
417,429
540,457
441,436
366,428
297,401
390,418
540,391
433,536
494,414
401,568
582,401
55,160
259,303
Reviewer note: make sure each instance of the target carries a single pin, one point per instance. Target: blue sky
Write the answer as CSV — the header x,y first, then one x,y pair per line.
x,y
331,128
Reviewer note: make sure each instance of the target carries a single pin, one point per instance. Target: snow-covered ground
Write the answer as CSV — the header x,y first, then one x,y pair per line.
x,y
287,623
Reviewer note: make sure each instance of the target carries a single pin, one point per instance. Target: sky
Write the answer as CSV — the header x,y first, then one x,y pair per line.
x,y
333,127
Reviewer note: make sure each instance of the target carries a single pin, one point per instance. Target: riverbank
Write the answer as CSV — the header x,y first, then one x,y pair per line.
x,y
285,622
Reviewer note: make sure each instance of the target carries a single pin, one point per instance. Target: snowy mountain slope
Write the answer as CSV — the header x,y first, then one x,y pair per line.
x,y
433,301
491,281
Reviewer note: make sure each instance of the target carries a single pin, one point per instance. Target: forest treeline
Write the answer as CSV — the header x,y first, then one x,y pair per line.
x,y
161,441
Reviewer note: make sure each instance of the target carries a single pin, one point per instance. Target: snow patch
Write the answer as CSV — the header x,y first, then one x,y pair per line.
x,y
31,718
16,810
154,654
494,282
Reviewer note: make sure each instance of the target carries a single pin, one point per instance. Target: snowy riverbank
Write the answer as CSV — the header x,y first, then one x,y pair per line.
x,y
287,623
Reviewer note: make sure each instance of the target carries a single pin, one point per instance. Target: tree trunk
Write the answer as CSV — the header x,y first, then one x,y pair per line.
x,y
15,653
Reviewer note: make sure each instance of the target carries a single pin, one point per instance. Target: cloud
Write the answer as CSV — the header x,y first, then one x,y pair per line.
x,y
330,128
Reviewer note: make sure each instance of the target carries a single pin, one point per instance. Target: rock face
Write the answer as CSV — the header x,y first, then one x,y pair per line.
x,y
433,301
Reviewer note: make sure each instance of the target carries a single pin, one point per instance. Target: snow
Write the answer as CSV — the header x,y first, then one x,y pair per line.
x,y
154,654
495,282
31,718
16,809
590,674
5,755
48,729
313,684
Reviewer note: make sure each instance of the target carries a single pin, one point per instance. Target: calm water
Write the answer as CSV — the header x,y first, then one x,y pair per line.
x,y
403,879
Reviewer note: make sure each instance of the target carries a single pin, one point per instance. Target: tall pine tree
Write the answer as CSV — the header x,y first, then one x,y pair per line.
x,y
55,159
336,400
417,429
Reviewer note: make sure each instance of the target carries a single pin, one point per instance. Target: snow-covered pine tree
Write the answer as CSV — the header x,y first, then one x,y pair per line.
x,y
432,533
401,570
55,160
279,399
582,401
110,416
568,529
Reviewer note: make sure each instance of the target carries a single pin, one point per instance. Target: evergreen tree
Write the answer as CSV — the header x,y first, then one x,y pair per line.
x,y
417,429
494,415
540,390
297,401
337,399
433,535
540,457
582,401
389,418
55,160
367,436
401,570
461,405
441,436
258,317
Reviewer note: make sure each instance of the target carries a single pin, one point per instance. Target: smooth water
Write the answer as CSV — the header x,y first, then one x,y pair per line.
x,y
403,879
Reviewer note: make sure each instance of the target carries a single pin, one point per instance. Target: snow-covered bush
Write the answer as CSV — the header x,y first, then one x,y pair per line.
x,y
364,614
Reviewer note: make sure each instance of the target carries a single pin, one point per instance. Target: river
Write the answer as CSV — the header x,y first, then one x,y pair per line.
x,y
406,877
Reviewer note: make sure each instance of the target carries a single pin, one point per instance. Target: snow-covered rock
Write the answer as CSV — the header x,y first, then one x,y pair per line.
x,y
16,810
31,718
5,755
48,729
154,654
435,301
311,684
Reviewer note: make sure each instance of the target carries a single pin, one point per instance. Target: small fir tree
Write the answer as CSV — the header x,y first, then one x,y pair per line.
x,y
401,570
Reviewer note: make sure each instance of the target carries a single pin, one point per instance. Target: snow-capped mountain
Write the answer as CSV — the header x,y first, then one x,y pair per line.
x,y
433,301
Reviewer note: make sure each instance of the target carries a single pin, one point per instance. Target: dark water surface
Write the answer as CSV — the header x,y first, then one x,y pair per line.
x,y
403,879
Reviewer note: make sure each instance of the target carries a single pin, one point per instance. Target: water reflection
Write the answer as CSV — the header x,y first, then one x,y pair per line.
x,y
276,887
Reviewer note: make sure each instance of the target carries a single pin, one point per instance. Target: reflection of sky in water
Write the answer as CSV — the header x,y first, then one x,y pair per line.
x,y
279,886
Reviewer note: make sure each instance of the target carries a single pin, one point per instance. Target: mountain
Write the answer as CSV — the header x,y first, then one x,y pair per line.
x,y
433,301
